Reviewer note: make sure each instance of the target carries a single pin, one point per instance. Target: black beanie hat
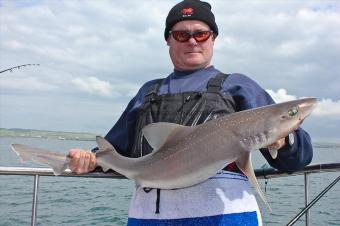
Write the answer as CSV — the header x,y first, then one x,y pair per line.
x,y
190,10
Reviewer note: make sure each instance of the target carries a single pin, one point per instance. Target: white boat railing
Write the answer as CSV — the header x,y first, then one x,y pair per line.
x,y
265,173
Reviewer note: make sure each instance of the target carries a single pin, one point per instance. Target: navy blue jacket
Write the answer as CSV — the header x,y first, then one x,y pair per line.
x,y
246,93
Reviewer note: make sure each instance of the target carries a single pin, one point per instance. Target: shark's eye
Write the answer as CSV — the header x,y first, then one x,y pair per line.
x,y
292,112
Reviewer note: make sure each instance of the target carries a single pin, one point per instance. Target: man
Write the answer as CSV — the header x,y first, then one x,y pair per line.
x,y
195,93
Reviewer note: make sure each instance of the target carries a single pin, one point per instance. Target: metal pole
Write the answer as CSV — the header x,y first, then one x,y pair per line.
x,y
307,197
297,217
35,200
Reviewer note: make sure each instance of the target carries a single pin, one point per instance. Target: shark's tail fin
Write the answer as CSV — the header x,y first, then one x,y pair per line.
x,y
57,161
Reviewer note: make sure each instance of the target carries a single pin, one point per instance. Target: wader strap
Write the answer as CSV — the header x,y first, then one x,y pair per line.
x,y
152,91
215,83
158,200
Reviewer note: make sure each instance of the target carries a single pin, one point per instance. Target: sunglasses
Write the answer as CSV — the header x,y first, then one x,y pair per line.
x,y
184,36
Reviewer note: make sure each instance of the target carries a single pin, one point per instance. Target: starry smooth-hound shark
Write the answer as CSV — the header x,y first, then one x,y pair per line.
x,y
183,156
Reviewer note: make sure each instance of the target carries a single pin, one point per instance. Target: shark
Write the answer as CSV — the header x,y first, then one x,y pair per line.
x,y
183,156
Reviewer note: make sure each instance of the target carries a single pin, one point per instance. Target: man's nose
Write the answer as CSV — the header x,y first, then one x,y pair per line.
x,y
192,41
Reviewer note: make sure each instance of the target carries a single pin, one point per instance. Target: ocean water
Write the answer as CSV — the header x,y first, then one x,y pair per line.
x,y
89,201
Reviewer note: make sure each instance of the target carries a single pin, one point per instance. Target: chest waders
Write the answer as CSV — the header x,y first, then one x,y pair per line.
x,y
187,108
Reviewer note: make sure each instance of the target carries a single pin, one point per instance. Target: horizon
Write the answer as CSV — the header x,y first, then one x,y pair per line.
x,y
314,140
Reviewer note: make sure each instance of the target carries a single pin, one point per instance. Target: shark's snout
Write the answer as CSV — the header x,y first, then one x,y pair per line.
x,y
306,107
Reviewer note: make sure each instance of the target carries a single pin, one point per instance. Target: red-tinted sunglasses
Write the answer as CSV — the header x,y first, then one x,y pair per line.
x,y
184,36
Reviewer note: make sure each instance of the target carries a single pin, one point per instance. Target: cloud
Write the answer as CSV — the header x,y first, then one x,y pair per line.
x,y
280,95
281,42
26,83
93,85
291,44
116,89
325,107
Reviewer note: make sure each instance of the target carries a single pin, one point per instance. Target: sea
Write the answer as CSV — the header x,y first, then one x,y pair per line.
x,y
92,201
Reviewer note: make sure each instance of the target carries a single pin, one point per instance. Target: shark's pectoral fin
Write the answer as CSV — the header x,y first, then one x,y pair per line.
x,y
159,133
245,165
273,153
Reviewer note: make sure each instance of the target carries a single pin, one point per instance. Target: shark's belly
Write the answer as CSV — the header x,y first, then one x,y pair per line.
x,y
188,165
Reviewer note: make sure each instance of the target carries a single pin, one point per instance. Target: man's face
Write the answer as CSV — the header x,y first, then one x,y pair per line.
x,y
190,55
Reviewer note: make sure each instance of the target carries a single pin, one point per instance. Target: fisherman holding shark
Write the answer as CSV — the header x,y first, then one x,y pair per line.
x,y
193,94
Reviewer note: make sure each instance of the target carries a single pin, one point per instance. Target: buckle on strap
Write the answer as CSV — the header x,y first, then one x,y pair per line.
x,y
152,91
215,83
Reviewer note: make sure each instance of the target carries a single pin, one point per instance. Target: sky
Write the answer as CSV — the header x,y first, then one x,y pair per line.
x,y
94,55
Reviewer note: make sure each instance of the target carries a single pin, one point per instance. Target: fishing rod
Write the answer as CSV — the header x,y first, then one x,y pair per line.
x,y
18,67
304,210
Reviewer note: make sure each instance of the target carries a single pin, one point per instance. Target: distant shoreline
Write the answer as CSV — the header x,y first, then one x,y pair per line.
x,y
60,135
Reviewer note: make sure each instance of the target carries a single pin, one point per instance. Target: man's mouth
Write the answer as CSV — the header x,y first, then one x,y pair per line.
x,y
193,52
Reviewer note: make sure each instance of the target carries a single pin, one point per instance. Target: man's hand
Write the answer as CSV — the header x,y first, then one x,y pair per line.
x,y
277,145
82,161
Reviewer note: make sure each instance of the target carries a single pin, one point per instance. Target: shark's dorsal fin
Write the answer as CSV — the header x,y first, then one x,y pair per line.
x,y
159,133
245,165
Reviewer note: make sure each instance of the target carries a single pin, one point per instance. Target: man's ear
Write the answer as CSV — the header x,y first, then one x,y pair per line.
x,y
214,36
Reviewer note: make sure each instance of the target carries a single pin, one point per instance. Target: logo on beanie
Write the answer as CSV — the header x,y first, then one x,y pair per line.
x,y
187,12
